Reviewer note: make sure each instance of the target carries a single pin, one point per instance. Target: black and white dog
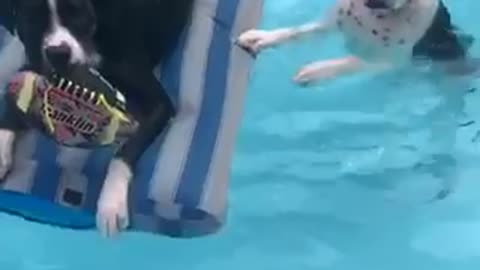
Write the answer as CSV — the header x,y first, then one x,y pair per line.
x,y
379,35
124,40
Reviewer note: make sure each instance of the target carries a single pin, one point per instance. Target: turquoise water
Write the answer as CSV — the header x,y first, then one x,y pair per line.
x,y
323,178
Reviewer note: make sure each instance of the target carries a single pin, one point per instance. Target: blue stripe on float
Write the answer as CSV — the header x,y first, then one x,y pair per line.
x,y
172,68
47,172
95,169
170,77
143,175
197,165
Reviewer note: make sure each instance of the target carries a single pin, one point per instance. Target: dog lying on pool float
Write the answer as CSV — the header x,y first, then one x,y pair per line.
x,y
125,41
379,34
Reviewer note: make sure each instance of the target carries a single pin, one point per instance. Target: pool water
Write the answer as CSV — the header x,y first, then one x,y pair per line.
x,y
330,177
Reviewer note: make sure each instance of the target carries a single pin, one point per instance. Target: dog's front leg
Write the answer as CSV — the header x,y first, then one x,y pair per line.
x,y
12,57
255,40
11,122
327,69
112,207
7,140
331,69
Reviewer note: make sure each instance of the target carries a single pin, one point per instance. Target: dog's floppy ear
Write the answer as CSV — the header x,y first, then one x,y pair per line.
x,y
8,14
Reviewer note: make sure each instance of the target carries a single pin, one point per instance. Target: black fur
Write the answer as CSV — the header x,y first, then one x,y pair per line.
x,y
7,14
131,36
443,41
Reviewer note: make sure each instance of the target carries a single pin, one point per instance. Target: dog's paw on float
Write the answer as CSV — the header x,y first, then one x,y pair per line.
x,y
7,138
255,40
112,207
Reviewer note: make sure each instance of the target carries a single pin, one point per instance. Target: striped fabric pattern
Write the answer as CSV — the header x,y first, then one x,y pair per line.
x,y
181,183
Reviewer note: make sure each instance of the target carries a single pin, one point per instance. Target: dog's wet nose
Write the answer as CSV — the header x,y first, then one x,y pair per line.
x,y
58,56
376,4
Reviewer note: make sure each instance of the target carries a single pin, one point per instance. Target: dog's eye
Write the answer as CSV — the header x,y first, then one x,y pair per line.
x,y
70,10
75,3
83,26
31,3
74,7
35,11
31,7
78,15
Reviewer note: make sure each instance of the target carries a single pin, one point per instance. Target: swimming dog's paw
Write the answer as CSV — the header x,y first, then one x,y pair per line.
x,y
255,40
112,206
315,72
7,138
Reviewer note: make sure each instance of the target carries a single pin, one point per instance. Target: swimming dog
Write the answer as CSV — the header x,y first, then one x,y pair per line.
x,y
124,40
379,35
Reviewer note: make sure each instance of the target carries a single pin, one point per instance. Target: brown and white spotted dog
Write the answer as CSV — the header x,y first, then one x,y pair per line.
x,y
379,34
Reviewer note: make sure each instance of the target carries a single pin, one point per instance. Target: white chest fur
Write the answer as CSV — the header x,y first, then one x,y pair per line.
x,y
371,34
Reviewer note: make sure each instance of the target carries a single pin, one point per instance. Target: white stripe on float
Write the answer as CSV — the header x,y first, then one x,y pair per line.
x,y
175,149
214,200
12,57
22,175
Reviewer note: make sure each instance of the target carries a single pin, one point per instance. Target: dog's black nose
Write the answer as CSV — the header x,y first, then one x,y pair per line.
x,y
58,56
376,4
